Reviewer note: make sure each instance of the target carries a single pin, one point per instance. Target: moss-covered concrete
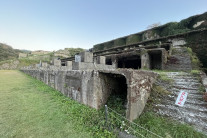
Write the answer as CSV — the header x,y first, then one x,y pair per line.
x,y
173,28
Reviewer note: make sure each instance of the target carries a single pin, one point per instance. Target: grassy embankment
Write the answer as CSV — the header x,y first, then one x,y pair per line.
x,y
29,108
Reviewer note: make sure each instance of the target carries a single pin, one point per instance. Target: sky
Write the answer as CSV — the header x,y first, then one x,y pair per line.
x,y
57,24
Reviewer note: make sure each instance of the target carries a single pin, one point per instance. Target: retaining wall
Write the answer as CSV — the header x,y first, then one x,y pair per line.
x,y
88,87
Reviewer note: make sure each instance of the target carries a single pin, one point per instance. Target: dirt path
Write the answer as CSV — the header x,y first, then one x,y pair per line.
x,y
27,112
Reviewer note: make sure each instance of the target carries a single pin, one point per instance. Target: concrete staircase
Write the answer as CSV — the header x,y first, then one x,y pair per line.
x,y
194,112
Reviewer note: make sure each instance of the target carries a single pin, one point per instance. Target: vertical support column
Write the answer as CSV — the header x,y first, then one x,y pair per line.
x,y
86,57
69,65
57,62
145,61
101,60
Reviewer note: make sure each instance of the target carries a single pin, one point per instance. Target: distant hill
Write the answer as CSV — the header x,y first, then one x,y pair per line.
x,y
7,52
9,57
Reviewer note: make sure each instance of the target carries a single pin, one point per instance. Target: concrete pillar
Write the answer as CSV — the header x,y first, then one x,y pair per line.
x,y
69,65
101,60
44,64
86,57
40,63
57,62
145,61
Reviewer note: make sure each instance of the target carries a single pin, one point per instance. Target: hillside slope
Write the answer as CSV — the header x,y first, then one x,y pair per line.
x,y
9,57
7,52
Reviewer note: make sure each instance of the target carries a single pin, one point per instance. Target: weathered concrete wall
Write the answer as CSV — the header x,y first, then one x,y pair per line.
x,y
89,87
86,57
75,84
145,61
139,84
90,66
56,62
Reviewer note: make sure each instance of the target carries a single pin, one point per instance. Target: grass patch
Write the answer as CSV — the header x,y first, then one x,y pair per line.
x,y
163,76
166,127
27,62
195,72
29,108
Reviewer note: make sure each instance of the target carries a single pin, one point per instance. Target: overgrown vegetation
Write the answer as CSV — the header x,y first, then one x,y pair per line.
x,y
117,103
195,72
74,51
196,64
172,28
166,127
163,76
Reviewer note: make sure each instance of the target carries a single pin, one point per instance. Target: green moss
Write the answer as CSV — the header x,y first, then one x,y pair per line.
x,y
195,72
171,28
108,45
98,47
120,42
133,39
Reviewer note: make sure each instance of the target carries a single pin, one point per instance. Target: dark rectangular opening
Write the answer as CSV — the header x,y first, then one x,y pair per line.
x,y
108,61
155,60
133,62
63,63
166,47
115,91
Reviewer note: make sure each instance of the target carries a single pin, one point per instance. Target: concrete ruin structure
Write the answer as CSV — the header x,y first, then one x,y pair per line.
x,y
92,84
122,66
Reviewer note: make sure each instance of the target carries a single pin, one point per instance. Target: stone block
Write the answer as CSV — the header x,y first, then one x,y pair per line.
x,y
57,62
69,65
101,60
145,61
82,66
44,64
86,57
37,65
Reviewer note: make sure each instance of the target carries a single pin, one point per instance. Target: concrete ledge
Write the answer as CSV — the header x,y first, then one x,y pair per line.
x,y
90,66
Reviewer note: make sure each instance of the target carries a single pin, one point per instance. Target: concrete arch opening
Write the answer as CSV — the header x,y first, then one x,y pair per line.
x,y
114,87
155,60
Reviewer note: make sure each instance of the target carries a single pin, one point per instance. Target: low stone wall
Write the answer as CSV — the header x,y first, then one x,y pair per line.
x,y
89,87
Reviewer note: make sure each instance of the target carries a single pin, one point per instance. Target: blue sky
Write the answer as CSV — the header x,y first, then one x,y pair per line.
x,y
57,24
